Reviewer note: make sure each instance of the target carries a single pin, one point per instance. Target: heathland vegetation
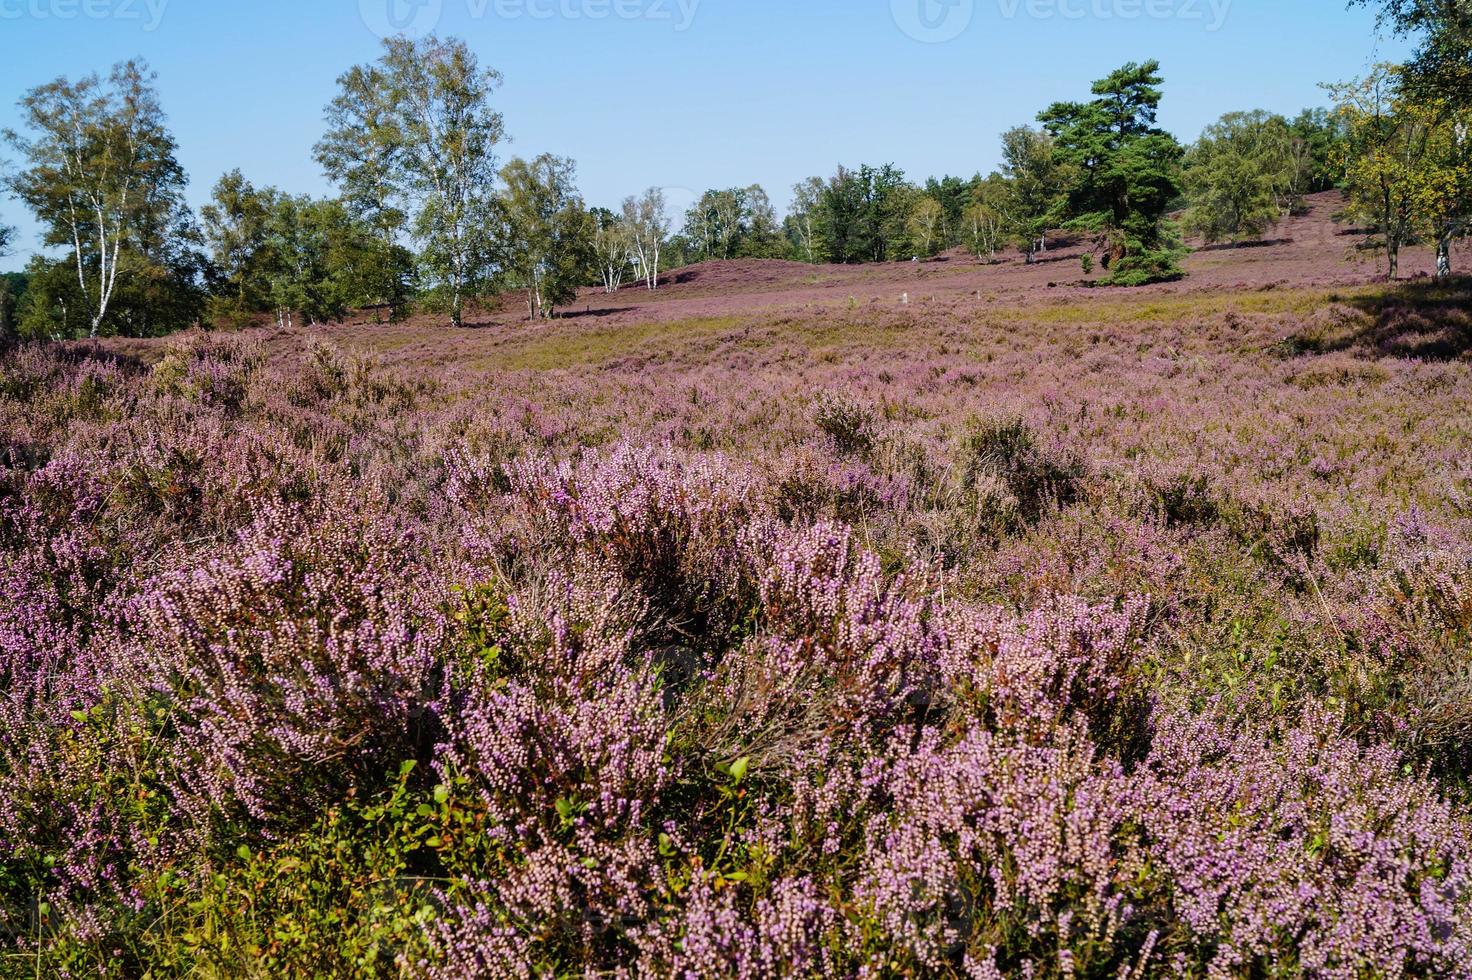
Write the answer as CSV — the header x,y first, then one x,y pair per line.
x,y
789,612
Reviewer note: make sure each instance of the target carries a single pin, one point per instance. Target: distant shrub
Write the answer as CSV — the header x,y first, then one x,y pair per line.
x,y
849,424
211,369
1009,472
1144,268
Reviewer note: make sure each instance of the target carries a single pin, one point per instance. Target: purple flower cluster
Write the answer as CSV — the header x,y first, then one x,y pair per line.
x,y
770,684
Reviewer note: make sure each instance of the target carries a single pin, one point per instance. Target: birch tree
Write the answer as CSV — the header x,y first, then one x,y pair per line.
x,y
1245,173
362,154
925,223
547,232
648,227
802,220
100,175
1387,149
988,217
418,127
611,246
1030,163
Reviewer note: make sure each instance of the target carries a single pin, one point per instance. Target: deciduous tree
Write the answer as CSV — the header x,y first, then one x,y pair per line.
x,y
1390,147
926,223
101,177
1038,184
548,232
803,218
417,130
611,247
1246,172
648,228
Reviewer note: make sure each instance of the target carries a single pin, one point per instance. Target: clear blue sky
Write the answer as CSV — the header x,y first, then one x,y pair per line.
x,y
690,94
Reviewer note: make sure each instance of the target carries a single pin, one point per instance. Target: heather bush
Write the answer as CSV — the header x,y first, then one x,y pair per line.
x,y
298,660
1013,478
1306,853
1112,643
849,424
209,369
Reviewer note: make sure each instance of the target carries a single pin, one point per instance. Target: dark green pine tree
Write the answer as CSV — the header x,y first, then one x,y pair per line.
x,y
1126,169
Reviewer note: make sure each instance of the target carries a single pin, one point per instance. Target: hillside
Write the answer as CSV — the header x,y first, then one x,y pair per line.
x,y
921,619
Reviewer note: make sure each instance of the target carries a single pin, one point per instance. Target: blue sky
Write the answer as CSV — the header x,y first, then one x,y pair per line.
x,y
689,94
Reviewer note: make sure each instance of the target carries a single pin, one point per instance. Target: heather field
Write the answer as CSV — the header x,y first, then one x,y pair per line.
x,y
938,619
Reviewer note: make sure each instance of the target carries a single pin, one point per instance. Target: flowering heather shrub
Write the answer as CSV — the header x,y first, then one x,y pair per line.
x,y
302,657
849,424
387,654
839,653
667,525
1308,852
992,848
1409,635
1066,662
209,370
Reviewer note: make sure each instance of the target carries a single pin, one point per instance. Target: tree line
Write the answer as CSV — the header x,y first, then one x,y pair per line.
x,y
427,216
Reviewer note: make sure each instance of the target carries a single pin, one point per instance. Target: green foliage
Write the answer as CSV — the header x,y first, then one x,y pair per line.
x,y
1037,182
863,214
102,179
349,896
735,223
954,195
13,287
1409,171
415,131
1126,170
1322,134
1144,268
803,221
294,255
990,217
1247,172
548,233
1441,67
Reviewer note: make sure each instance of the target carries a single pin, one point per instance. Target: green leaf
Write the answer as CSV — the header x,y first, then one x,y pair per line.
x,y
441,794
739,767
243,852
